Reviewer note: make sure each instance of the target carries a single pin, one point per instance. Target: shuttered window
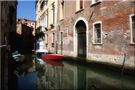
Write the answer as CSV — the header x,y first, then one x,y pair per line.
x,y
133,29
97,33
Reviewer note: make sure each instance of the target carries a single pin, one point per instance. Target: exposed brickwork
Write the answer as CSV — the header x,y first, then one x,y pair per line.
x,y
116,33
114,16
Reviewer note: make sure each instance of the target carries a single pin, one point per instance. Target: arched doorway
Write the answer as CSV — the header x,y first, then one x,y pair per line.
x,y
81,39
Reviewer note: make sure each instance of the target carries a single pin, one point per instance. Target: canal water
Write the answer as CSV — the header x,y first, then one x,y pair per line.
x,y
70,73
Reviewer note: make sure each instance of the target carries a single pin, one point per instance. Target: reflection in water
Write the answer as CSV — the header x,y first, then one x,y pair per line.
x,y
81,77
25,66
22,73
73,75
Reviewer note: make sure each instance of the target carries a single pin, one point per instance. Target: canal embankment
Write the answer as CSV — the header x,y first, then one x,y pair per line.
x,y
121,68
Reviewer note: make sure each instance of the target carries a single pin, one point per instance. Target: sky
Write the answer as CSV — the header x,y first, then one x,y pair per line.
x,y
26,9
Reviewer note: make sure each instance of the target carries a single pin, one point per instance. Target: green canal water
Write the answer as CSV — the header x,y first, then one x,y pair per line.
x,y
69,73
77,74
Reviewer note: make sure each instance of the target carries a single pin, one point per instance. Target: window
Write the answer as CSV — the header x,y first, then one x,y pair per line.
x,y
132,25
42,4
46,22
95,1
53,13
42,20
61,9
97,33
79,5
53,39
46,39
61,39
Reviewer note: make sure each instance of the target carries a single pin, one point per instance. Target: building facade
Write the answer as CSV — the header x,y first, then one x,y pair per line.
x,y
24,37
8,25
29,23
98,30
46,19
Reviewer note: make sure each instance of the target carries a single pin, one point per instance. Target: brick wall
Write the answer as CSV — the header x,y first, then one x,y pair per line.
x,y
114,16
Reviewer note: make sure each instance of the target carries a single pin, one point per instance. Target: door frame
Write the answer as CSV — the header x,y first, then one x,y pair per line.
x,y
75,36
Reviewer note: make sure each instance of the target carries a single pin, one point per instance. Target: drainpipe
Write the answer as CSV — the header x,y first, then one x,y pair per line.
x,y
123,63
124,58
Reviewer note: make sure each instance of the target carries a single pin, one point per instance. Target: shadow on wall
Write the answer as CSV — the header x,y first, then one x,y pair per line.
x,y
23,43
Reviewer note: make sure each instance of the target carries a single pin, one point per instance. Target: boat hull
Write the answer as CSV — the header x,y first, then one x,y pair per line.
x,y
52,56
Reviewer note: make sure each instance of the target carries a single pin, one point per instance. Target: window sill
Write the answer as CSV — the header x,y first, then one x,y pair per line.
x,y
79,11
93,4
132,43
61,19
97,43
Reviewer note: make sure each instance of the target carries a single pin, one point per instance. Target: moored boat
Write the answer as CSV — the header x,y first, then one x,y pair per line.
x,y
52,56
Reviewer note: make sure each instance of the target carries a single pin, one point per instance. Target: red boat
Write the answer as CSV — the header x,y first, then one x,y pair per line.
x,y
52,56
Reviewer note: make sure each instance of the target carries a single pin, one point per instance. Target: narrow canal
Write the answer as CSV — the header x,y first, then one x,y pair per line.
x,y
68,73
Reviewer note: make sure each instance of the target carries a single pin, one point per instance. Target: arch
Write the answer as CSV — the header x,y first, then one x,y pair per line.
x,y
75,34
